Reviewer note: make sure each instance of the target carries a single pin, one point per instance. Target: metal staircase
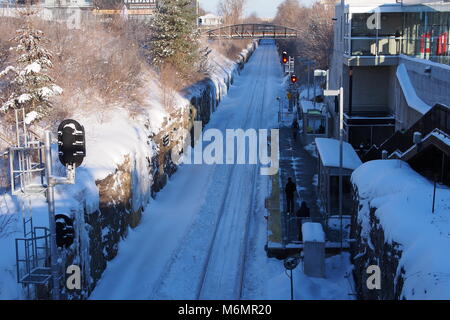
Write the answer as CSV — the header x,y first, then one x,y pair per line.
x,y
27,172
33,252
437,118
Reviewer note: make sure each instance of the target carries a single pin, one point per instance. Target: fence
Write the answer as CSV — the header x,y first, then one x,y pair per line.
x,y
330,224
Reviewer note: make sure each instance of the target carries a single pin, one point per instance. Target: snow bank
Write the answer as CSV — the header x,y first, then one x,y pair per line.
x,y
403,202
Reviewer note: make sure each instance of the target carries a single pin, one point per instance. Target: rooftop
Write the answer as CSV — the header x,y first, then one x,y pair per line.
x,y
328,150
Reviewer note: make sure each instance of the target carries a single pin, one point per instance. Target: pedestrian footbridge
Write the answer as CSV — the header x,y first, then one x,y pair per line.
x,y
251,31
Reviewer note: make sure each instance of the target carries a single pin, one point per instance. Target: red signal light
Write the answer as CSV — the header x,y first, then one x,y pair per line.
x,y
285,58
294,79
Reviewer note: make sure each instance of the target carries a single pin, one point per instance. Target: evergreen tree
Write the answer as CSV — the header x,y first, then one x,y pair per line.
x,y
175,36
32,85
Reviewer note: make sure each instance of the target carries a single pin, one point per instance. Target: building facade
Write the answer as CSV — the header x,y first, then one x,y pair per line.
x,y
393,61
210,20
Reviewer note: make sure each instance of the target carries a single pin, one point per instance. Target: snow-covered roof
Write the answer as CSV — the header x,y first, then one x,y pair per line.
x,y
210,16
328,150
409,92
312,232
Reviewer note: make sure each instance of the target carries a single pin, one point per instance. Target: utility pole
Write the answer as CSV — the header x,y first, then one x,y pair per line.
x,y
51,216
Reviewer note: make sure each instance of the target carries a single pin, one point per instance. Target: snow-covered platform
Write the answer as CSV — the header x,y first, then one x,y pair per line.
x,y
283,230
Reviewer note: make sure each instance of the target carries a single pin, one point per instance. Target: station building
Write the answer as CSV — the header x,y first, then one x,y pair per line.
x,y
393,60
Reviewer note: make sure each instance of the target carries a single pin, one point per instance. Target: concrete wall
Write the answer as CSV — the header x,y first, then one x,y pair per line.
x,y
405,116
433,87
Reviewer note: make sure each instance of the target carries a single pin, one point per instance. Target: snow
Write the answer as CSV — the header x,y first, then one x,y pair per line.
x,y
34,67
328,150
403,202
178,234
311,149
164,256
24,98
7,70
440,135
337,284
47,92
112,136
181,239
312,232
31,116
409,92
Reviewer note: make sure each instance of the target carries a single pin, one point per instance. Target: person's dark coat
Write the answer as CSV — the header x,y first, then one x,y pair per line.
x,y
303,212
290,189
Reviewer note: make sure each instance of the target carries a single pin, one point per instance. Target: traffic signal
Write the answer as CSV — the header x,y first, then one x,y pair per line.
x,y
294,78
64,231
71,143
285,58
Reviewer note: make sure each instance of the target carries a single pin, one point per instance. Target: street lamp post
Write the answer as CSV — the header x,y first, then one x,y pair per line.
x,y
340,93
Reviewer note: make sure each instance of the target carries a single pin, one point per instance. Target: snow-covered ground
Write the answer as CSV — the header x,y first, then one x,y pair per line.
x,y
192,238
204,234
403,199
112,134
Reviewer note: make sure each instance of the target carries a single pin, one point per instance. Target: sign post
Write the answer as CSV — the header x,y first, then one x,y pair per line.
x,y
290,264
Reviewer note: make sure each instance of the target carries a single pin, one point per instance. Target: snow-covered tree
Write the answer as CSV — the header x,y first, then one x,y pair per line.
x,y
175,36
32,86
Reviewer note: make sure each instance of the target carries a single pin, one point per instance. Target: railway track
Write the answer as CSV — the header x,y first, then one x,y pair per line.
x,y
198,267
211,278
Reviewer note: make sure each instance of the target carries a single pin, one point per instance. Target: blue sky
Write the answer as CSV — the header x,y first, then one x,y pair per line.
x,y
264,8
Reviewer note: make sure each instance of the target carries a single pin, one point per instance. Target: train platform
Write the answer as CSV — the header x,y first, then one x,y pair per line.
x,y
283,230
